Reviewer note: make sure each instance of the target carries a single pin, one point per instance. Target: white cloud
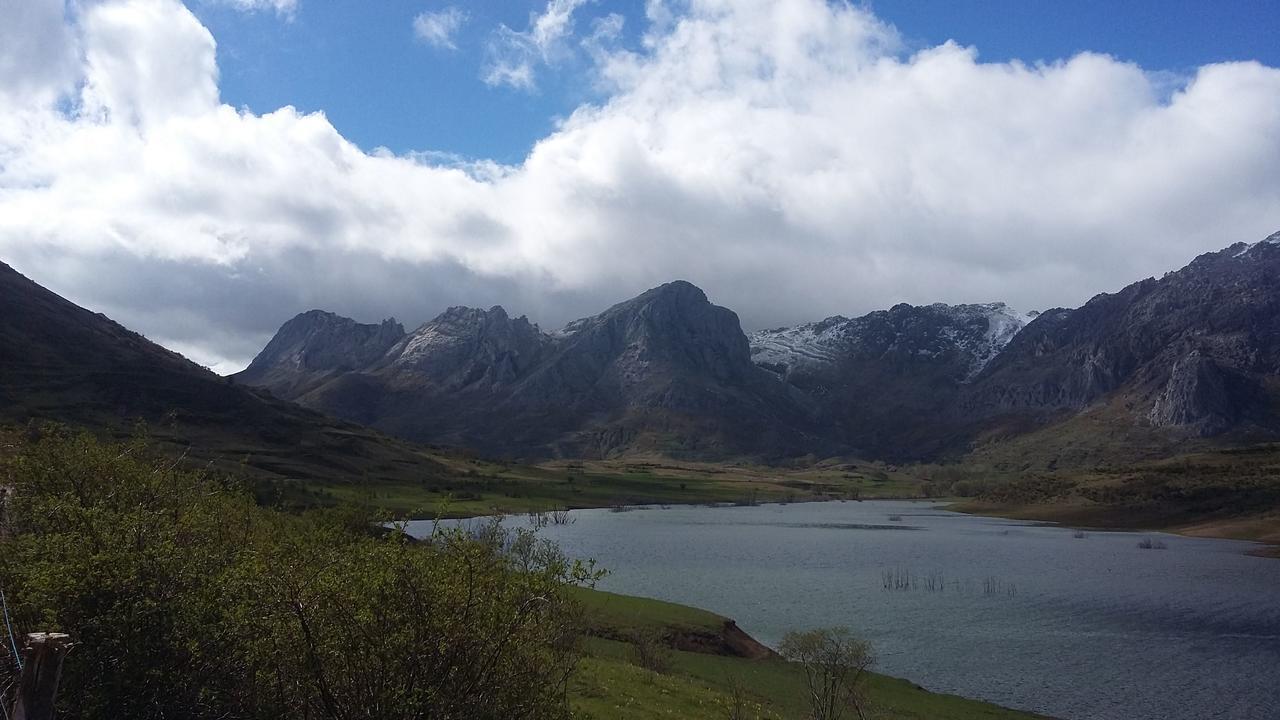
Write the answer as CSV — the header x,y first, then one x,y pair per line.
x,y
784,155
514,56
146,61
439,28
285,8
37,51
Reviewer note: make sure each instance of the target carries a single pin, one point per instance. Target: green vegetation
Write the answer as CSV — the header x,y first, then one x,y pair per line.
x,y
470,486
186,599
835,667
713,685
1231,493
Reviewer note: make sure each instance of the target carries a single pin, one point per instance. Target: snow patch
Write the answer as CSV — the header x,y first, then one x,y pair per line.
x,y
979,332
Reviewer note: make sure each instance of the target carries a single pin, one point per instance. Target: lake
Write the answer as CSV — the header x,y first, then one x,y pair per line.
x,y
1025,615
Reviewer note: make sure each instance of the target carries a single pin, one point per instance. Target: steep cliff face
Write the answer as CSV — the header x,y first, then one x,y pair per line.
x,y
1194,349
1197,396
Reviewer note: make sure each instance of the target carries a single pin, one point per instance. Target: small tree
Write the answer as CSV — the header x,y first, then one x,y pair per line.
x,y
650,651
835,666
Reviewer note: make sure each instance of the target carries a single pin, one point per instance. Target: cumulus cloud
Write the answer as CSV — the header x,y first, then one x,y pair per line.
x,y
514,56
439,28
788,156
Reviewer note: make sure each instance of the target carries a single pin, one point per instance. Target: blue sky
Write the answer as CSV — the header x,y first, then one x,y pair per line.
x,y
203,170
361,64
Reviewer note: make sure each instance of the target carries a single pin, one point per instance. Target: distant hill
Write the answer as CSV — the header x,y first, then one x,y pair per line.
x,y
63,363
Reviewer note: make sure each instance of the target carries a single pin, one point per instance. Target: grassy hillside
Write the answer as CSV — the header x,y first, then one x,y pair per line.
x,y
1232,493
701,685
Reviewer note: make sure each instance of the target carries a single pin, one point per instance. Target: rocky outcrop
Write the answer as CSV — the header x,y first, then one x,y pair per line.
x,y
465,346
315,345
1190,350
1195,397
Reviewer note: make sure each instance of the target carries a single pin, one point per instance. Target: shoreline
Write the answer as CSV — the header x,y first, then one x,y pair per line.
x,y
1264,531
699,633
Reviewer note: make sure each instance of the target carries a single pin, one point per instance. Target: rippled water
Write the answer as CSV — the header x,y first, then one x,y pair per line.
x,y
1028,615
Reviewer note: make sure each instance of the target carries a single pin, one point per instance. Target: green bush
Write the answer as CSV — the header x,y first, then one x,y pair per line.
x,y
188,600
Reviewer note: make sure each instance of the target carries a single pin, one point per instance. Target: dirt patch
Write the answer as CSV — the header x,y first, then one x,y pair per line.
x,y
731,641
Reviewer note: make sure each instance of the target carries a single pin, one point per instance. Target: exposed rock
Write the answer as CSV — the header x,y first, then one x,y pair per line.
x,y
1196,396
888,381
666,371
315,345
1196,351
1190,349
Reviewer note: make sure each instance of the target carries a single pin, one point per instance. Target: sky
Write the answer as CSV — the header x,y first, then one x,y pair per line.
x,y
203,172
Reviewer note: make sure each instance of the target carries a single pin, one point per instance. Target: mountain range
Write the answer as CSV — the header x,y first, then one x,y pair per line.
x,y
1190,358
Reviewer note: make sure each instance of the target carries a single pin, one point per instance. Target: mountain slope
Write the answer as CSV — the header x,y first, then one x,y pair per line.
x,y
1194,353
666,371
61,362
889,380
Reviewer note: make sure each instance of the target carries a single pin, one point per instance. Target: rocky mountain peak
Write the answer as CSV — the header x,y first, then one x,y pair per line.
x,y
464,345
673,325
1267,245
317,341
966,335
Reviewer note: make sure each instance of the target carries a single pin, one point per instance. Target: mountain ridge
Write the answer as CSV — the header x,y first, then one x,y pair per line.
x,y
1194,353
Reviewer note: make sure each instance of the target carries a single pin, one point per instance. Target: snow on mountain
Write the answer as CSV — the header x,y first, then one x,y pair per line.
x,y
978,332
1273,239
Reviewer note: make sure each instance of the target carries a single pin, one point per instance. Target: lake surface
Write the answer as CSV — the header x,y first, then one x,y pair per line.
x,y
1023,615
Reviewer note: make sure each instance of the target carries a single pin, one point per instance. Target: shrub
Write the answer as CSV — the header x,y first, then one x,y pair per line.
x,y
835,666
649,650
188,600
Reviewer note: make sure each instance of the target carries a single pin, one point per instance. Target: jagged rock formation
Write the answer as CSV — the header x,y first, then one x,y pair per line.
x,y
666,371
890,379
1198,349
1195,353
964,337
316,345
1196,396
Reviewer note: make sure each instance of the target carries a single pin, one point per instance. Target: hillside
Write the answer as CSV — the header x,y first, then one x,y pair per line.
x,y
60,362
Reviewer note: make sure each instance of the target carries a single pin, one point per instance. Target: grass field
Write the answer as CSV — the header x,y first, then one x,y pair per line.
x,y
700,685
467,486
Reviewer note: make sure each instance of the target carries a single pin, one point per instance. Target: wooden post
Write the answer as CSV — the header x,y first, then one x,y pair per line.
x,y
39,684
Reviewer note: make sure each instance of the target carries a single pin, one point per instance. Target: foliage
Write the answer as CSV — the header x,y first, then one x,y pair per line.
x,y
650,650
187,600
835,665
